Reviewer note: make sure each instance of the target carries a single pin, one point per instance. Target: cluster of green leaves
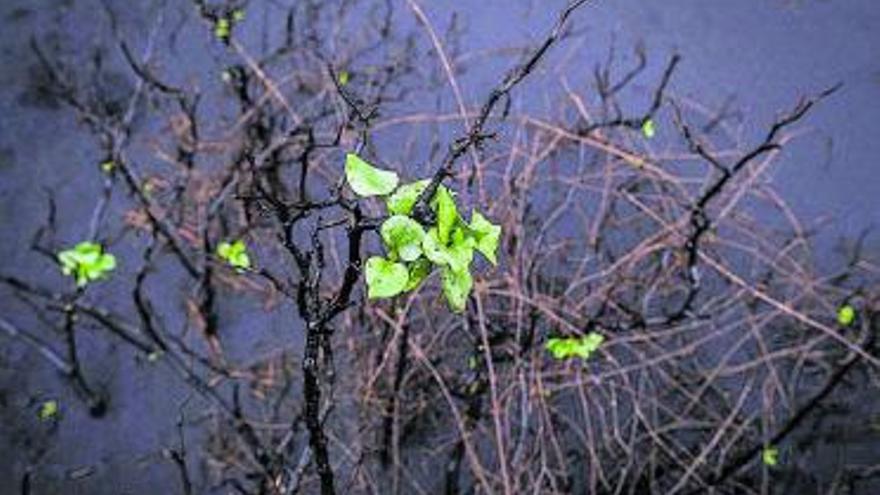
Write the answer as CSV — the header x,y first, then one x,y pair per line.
x,y
87,262
414,250
846,315
235,255
562,348
223,25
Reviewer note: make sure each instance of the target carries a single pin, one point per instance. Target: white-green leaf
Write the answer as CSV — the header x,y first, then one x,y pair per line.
x,y
385,278
457,286
403,199
366,180
486,234
403,235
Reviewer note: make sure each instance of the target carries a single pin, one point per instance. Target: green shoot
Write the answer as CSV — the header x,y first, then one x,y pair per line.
x,y
235,255
648,129
86,262
846,315
414,250
562,348
48,410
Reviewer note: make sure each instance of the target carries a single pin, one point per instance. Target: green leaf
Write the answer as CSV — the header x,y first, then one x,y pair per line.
x,y
108,166
486,234
457,286
48,410
648,129
566,347
846,315
770,456
366,180
460,256
344,77
403,236
403,199
238,15
418,271
447,214
385,278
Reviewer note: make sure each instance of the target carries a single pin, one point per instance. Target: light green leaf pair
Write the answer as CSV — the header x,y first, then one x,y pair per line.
x,y
223,25
222,28
366,180
235,254
567,347
770,456
87,262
